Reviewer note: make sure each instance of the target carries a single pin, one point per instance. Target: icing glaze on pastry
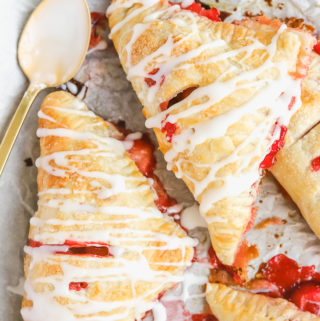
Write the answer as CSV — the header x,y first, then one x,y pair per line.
x,y
245,84
99,248
217,127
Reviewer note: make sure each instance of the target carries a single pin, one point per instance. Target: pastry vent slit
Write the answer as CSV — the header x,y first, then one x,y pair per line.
x,y
306,132
178,97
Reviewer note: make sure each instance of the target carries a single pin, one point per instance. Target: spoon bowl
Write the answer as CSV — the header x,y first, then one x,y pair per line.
x,y
54,42
51,50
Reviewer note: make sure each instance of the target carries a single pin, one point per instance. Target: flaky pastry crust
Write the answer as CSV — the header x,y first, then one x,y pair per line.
x,y
166,51
309,113
228,304
91,194
293,168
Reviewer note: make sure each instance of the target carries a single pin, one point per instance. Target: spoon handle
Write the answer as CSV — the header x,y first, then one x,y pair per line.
x,y
16,123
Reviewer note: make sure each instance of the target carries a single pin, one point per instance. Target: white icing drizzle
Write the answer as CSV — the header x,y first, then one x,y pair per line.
x,y
97,224
17,289
273,93
127,4
159,312
191,218
191,291
129,140
42,115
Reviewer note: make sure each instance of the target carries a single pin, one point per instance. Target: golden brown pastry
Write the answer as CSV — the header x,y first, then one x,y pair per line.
x,y
228,304
217,96
99,249
298,164
309,113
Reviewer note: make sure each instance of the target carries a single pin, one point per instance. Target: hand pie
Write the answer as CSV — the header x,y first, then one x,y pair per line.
x,y
99,249
228,304
298,164
217,95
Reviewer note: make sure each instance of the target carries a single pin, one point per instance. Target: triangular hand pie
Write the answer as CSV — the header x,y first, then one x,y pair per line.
x,y
298,165
228,304
218,95
99,249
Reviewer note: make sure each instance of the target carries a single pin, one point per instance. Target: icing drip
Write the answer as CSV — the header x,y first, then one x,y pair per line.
x,y
180,303
94,237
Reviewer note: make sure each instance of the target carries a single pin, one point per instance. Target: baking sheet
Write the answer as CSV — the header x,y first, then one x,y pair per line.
x,y
111,96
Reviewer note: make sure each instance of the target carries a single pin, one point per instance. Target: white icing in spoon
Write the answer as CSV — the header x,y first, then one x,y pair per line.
x,y
55,41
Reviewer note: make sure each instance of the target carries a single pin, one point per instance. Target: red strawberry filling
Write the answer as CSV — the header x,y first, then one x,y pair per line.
x,y
204,317
151,82
77,286
212,14
217,265
252,219
298,284
142,154
315,164
168,128
306,296
316,48
98,19
270,159
280,277
78,248
286,273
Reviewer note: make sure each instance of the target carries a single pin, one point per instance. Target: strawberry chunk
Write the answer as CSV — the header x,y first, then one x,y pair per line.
x,y
77,286
168,128
142,154
150,81
316,48
286,273
270,159
306,296
212,14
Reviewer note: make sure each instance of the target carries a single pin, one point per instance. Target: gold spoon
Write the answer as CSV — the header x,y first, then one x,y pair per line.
x,y
51,50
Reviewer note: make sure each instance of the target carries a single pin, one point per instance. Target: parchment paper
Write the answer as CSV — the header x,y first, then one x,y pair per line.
x,y
111,96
